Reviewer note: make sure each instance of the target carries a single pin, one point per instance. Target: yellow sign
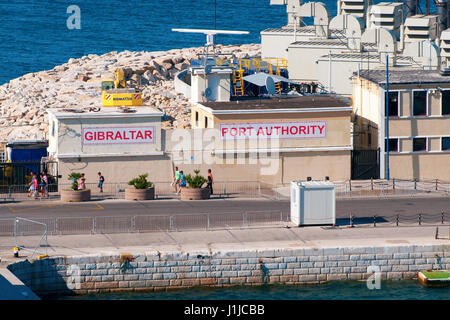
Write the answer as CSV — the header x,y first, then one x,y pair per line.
x,y
121,99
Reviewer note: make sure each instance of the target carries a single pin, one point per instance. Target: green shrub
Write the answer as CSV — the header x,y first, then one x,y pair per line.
x,y
197,181
141,182
77,176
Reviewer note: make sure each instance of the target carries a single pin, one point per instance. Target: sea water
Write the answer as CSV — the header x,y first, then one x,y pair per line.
x,y
34,34
338,290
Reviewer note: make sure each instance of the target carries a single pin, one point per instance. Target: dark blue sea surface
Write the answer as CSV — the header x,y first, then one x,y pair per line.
x,y
34,34
338,290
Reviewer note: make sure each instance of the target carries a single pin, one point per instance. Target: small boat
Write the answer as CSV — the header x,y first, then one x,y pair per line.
x,y
434,277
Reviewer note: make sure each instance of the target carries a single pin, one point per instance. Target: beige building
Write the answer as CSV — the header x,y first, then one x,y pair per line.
x,y
120,145
309,135
419,121
272,140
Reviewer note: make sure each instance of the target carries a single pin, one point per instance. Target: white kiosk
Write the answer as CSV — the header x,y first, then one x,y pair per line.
x,y
313,203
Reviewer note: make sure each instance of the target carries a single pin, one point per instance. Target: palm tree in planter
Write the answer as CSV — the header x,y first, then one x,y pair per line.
x,y
74,194
143,189
194,191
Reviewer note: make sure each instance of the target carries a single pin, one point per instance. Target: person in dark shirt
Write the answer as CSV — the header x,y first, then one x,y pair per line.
x,y
210,181
101,179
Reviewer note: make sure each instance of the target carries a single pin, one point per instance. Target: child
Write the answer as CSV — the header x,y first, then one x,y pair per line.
x,y
83,182
101,179
182,181
44,185
177,178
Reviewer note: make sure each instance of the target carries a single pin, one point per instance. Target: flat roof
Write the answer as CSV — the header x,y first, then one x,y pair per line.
x,y
312,103
299,30
104,112
410,76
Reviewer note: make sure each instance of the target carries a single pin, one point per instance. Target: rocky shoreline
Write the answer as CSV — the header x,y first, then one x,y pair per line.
x,y
77,84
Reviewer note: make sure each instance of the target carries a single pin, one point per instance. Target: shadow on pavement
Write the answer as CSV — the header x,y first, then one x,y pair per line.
x,y
359,221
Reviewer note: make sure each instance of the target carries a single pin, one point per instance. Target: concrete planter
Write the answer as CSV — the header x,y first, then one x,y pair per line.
x,y
140,194
194,194
76,195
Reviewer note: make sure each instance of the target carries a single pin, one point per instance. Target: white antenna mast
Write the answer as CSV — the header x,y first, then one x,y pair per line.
x,y
210,37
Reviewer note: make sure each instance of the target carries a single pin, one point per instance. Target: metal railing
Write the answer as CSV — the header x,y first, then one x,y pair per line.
x,y
380,188
32,227
145,223
398,220
251,189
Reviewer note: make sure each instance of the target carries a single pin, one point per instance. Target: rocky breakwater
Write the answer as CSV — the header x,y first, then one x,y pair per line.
x,y
77,84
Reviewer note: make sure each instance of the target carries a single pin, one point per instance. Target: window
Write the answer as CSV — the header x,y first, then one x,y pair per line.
x,y
196,118
393,145
419,144
369,139
419,103
206,122
445,143
445,102
393,103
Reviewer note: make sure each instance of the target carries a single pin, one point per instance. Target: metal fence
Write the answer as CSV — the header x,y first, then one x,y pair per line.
x,y
250,189
358,188
146,223
398,220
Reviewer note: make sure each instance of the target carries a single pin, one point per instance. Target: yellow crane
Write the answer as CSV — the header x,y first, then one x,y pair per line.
x,y
115,92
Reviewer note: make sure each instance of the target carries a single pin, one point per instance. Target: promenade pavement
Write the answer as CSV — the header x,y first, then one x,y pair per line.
x,y
388,206
262,238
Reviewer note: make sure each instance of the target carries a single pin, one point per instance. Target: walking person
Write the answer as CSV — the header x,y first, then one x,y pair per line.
x,y
176,182
33,186
44,185
82,182
182,181
210,181
101,179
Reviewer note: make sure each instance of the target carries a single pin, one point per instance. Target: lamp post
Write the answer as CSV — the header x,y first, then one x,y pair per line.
x,y
387,117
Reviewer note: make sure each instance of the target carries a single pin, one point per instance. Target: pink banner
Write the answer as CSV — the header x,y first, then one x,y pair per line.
x,y
118,135
274,130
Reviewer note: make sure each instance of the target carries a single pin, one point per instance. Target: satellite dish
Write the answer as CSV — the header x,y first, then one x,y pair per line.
x,y
270,85
208,92
208,69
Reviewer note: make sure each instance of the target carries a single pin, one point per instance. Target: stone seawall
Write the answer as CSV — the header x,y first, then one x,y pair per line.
x,y
160,271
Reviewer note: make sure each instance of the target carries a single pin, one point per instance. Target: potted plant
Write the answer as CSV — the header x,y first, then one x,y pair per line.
x,y
74,194
194,191
143,189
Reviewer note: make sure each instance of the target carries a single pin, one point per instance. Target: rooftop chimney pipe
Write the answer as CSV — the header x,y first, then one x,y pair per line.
x,y
442,10
411,7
